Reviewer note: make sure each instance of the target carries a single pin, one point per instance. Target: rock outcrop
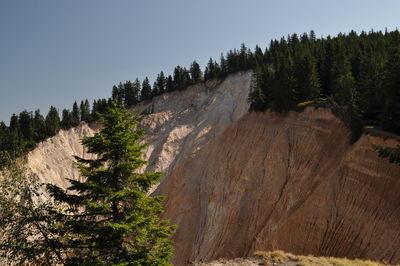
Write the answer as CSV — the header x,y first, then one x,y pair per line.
x,y
180,123
291,182
52,160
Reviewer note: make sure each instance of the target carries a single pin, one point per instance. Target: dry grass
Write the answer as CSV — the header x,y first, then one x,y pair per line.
x,y
282,258
316,102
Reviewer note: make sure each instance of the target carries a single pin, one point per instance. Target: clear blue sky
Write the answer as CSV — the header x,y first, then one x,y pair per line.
x,y
56,52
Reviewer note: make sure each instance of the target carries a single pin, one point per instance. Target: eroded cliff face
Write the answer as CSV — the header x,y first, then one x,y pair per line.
x,y
238,182
178,125
52,160
289,182
182,122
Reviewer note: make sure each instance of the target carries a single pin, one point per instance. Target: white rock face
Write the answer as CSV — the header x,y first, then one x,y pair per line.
x,y
180,123
52,160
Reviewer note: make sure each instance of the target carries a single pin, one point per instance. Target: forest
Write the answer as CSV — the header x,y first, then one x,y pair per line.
x,y
358,74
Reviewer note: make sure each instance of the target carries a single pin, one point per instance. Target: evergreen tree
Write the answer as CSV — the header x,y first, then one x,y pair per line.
x,y
210,72
343,86
115,94
112,219
15,141
161,83
85,111
95,109
391,109
66,121
371,86
169,85
306,75
14,123
4,136
76,115
258,55
195,72
130,95
155,91
52,122
40,126
146,90
121,93
26,126
137,87
224,66
243,57
260,96
283,94
232,59
181,78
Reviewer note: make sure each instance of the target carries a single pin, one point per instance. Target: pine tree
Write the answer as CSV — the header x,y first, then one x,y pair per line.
x,y
130,97
390,119
137,87
15,137
154,90
343,86
169,85
76,115
52,122
121,93
146,90
40,126
210,71
181,78
66,120
115,94
112,219
243,57
26,125
224,66
307,81
161,83
195,72
95,109
85,111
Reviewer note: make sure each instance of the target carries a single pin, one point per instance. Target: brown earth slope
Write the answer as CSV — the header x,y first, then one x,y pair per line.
x,y
239,182
286,182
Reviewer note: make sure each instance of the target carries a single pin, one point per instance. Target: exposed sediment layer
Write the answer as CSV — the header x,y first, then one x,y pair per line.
x,y
291,182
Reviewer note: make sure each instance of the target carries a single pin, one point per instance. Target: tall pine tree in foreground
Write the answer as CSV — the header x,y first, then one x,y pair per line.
x,y
110,217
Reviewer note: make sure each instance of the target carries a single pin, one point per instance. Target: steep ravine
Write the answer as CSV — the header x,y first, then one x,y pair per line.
x,y
238,182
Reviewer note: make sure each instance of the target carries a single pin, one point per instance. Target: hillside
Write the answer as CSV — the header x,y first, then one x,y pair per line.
x,y
238,182
286,182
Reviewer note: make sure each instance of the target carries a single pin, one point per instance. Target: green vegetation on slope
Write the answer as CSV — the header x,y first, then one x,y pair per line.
x,y
108,219
360,73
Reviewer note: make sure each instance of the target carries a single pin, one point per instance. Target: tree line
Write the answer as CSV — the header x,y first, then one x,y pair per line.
x,y
360,73
28,128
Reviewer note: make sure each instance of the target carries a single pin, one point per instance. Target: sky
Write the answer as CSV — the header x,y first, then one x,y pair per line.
x,y
58,52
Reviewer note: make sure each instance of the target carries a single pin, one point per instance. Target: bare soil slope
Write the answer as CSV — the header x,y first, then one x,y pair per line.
x,y
289,182
52,160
